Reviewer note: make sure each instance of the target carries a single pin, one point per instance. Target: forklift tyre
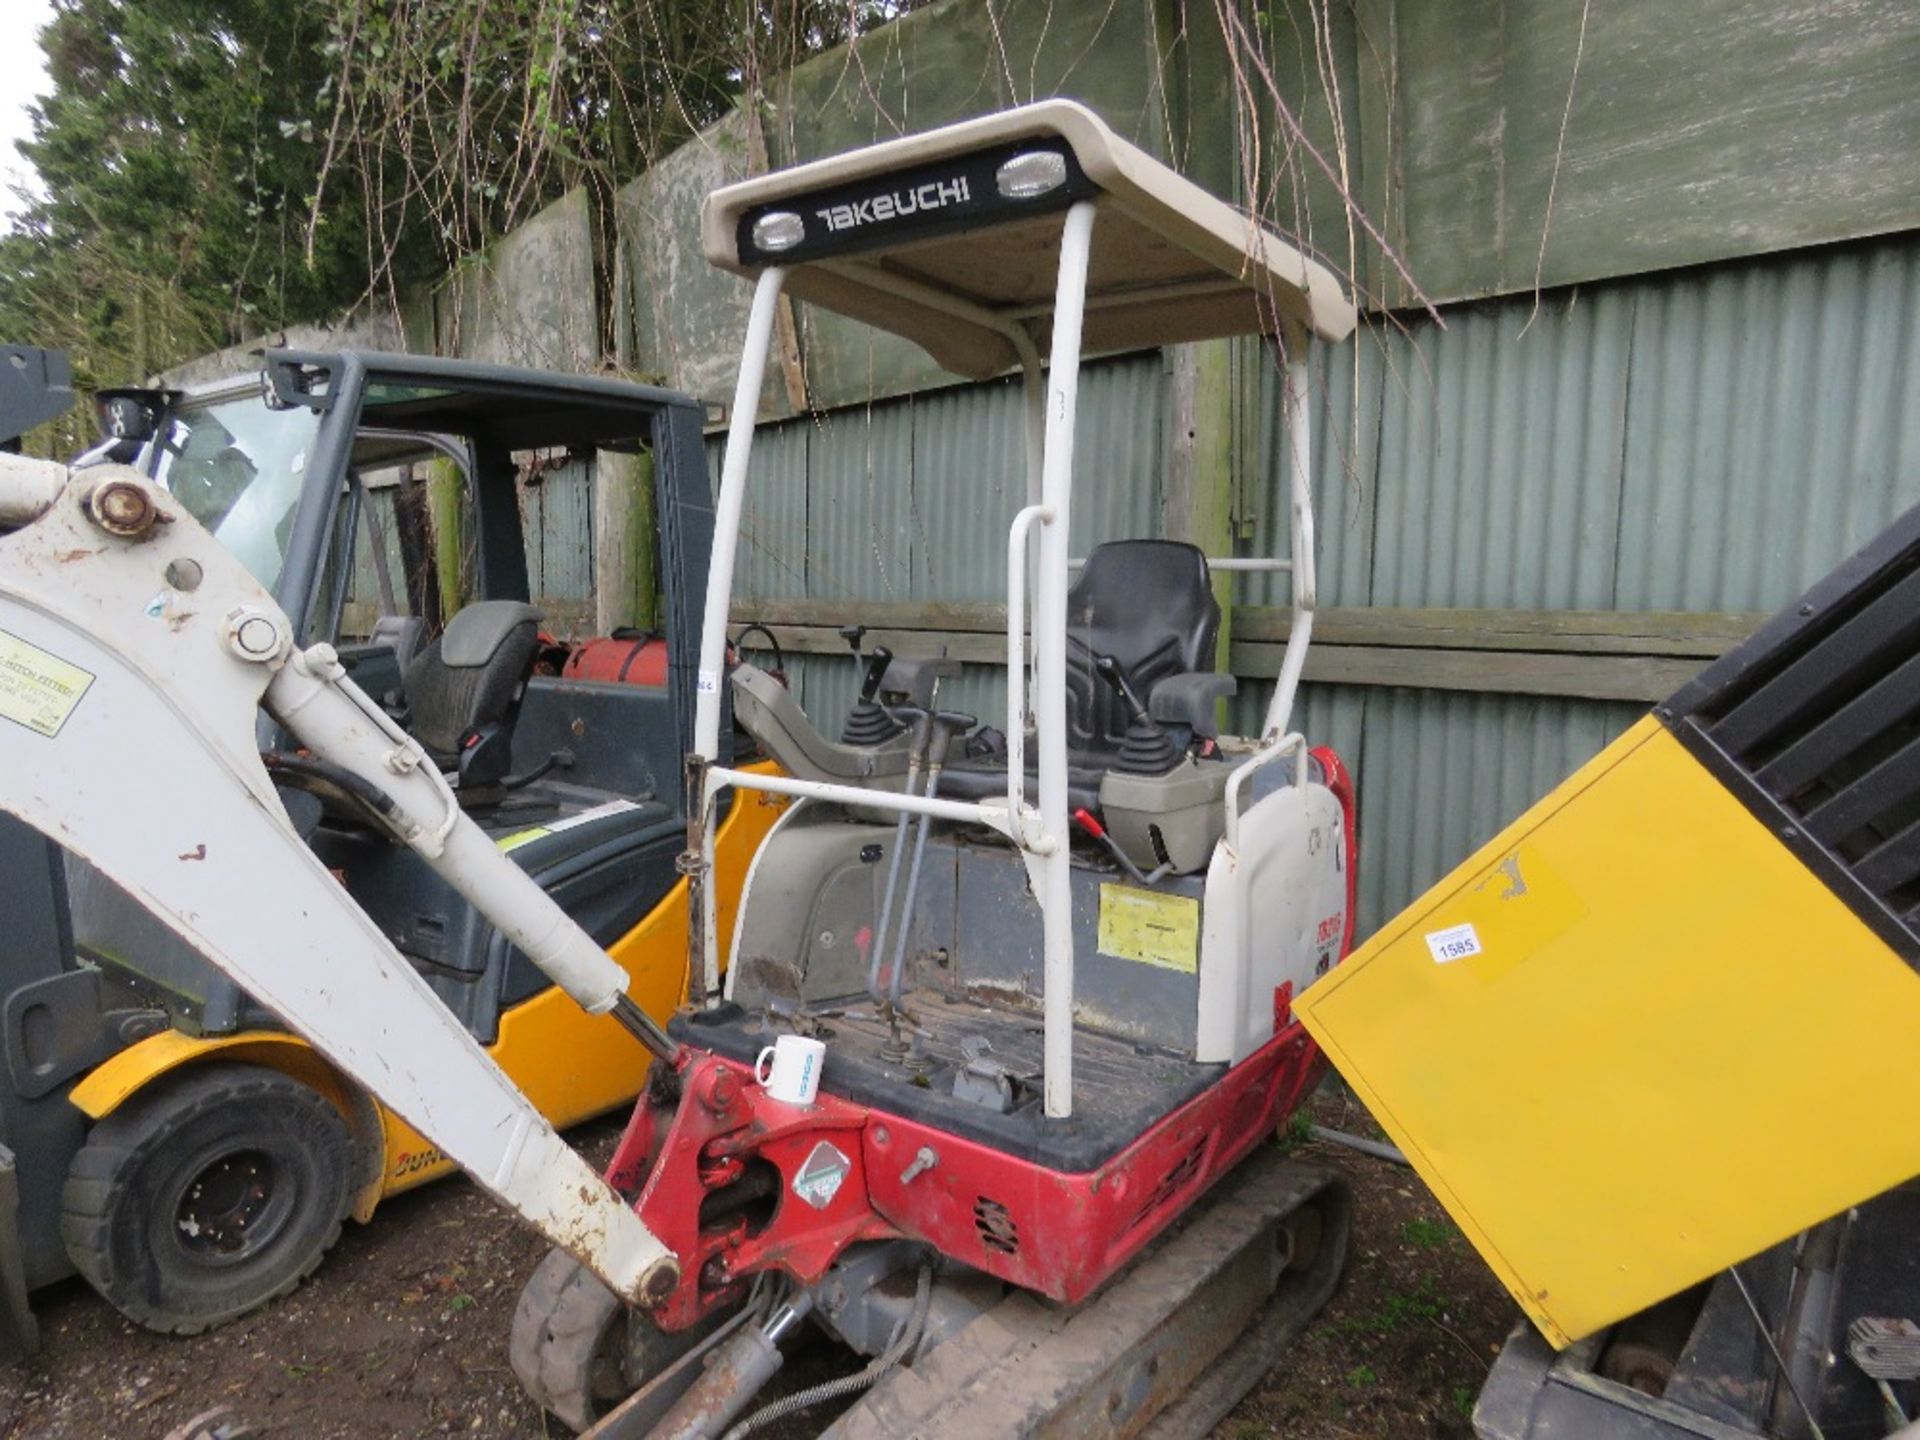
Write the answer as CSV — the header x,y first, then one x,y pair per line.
x,y
207,1196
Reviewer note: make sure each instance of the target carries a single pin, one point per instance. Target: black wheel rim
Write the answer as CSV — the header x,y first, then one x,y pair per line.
x,y
232,1207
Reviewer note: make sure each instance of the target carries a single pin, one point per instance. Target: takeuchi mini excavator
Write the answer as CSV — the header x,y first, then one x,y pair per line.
x,y
1009,1019
1045,971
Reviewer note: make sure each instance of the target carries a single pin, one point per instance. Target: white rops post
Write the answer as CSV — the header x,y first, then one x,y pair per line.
x,y
1129,254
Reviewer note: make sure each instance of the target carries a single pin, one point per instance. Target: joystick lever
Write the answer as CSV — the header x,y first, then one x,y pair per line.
x,y
1146,749
877,661
1115,674
868,723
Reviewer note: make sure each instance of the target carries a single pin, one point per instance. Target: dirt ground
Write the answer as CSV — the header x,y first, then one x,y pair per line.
x,y
403,1333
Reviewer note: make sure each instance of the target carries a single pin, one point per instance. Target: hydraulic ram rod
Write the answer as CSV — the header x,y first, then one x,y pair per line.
x,y
312,697
135,652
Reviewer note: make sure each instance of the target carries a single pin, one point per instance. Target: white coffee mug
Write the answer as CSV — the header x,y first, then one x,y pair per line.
x,y
790,1069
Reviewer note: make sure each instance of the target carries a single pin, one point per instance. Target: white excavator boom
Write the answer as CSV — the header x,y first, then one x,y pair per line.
x,y
135,655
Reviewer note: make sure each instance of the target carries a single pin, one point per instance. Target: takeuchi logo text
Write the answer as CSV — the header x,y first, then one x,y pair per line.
x,y
896,204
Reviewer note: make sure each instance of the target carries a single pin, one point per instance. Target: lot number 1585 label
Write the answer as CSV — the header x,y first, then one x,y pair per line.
x,y
1456,942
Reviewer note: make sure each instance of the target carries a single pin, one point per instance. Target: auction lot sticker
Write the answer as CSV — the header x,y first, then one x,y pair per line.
x,y
1154,929
38,690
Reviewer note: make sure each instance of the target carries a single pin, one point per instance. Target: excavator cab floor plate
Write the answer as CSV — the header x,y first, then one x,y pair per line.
x,y
1121,1090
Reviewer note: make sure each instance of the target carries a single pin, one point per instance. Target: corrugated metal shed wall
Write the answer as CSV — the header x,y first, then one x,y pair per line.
x,y
556,518
364,602
1707,440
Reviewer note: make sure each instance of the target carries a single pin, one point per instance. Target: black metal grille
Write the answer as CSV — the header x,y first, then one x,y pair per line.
x,y
1814,723
1172,1183
995,1226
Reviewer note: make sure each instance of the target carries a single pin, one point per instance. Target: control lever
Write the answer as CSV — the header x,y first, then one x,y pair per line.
x,y
921,723
878,659
1121,683
946,724
1146,749
1086,820
868,723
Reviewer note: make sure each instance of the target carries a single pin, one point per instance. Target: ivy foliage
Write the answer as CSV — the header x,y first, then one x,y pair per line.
x,y
217,169
176,204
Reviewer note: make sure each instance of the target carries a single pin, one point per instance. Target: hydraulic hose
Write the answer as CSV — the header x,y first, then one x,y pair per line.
x,y
904,1340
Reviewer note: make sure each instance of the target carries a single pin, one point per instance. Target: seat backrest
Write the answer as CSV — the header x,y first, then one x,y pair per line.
x,y
401,634
472,673
1150,605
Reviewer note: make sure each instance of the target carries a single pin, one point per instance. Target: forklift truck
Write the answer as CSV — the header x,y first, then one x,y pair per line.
x,y
173,1141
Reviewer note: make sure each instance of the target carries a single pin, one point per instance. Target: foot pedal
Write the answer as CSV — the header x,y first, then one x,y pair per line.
x,y
983,1080
1885,1349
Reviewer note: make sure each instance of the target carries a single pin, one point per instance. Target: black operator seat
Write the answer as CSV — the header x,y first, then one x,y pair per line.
x,y
1149,604
463,689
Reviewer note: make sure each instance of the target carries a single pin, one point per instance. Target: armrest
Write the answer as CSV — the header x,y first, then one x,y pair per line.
x,y
915,679
768,711
1189,700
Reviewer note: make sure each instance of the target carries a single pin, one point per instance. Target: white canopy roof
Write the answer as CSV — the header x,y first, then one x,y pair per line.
x,y
1170,262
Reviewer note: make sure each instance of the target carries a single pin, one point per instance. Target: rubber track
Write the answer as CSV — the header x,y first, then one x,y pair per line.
x,y
987,1380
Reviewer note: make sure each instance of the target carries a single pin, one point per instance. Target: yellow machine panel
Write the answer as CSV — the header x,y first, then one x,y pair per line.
x,y
1631,1041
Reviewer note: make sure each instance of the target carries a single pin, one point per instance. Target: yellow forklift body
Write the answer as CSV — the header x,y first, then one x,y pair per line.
x,y
1613,1112
570,1064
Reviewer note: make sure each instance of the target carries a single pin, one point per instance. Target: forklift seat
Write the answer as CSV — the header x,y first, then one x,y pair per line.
x,y
401,634
468,681
1149,604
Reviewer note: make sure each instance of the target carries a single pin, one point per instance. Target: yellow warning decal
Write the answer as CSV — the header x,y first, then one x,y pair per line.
x,y
571,822
38,690
1154,929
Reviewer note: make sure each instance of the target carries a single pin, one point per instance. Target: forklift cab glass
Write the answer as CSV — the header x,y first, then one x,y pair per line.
x,y
239,467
